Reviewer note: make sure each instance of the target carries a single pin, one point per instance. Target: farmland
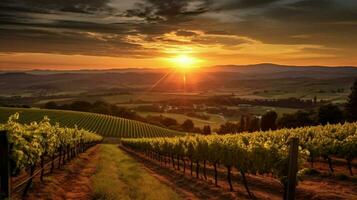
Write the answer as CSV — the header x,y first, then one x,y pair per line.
x,y
104,125
327,154
214,121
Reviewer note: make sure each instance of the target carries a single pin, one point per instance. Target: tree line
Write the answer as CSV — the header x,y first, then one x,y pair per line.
x,y
230,100
325,114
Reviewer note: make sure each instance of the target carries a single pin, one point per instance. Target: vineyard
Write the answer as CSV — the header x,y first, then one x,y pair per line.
x,y
264,153
105,125
27,147
40,138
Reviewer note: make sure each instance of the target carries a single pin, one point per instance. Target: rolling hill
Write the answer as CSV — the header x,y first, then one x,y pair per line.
x,y
105,125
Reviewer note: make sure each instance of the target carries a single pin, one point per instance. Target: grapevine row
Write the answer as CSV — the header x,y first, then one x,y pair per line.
x,y
30,143
255,153
104,125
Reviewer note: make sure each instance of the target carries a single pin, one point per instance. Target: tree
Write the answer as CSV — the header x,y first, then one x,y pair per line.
x,y
330,113
315,100
206,130
297,119
268,121
51,105
168,122
351,105
242,124
81,106
228,127
187,125
196,130
248,121
254,124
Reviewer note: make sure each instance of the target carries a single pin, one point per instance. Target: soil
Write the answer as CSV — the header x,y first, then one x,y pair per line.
x,y
188,187
73,181
316,187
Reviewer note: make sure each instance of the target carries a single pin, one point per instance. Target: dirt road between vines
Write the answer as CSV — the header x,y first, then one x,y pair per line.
x,y
73,181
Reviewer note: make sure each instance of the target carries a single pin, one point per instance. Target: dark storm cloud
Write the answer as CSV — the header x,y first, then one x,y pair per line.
x,y
314,11
165,10
69,43
313,18
48,6
242,4
66,24
99,27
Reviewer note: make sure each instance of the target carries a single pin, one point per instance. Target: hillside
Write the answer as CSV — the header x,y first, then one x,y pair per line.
x,y
62,82
105,125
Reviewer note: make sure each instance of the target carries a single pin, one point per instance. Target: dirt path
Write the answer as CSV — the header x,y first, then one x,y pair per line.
x,y
73,181
263,187
188,187
104,172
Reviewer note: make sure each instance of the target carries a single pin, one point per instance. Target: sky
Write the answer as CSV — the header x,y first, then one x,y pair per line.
x,y
98,34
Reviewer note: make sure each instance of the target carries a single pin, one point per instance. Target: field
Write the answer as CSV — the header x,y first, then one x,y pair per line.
x,y
150,96
215,120
260,110
104,125
329,89
278,92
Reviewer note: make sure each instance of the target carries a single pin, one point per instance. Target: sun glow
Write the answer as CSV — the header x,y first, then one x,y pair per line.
x,y
184,62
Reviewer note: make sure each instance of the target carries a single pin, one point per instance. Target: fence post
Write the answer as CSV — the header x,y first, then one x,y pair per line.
x,y
293,168
5,185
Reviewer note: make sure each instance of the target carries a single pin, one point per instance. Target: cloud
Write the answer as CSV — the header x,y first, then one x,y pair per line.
x,y
168,10
185,33
242,4
144,28
69,43
45,6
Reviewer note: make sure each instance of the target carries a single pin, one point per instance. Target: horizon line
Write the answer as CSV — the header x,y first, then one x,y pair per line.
x,y
165,68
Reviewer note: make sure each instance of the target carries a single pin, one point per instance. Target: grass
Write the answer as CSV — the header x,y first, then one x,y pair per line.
x,y
119,176
215,120
148,96
260,110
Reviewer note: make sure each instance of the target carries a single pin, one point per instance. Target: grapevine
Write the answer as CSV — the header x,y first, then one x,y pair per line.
x,y
255,153
31,142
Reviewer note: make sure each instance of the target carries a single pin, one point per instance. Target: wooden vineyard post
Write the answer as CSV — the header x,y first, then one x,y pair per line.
x,y
42,168
293,168
60,156
5,186
29,182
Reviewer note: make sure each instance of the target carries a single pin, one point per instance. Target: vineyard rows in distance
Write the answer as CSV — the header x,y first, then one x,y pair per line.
x,y
105,125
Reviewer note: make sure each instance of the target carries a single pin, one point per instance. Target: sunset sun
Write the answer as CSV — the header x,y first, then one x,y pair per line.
x,y
184,62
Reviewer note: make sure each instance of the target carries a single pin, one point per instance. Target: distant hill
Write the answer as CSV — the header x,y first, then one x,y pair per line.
x,y
285,71
49,82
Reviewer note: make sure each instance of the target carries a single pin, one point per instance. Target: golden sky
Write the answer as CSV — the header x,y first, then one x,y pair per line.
x,y
101,34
